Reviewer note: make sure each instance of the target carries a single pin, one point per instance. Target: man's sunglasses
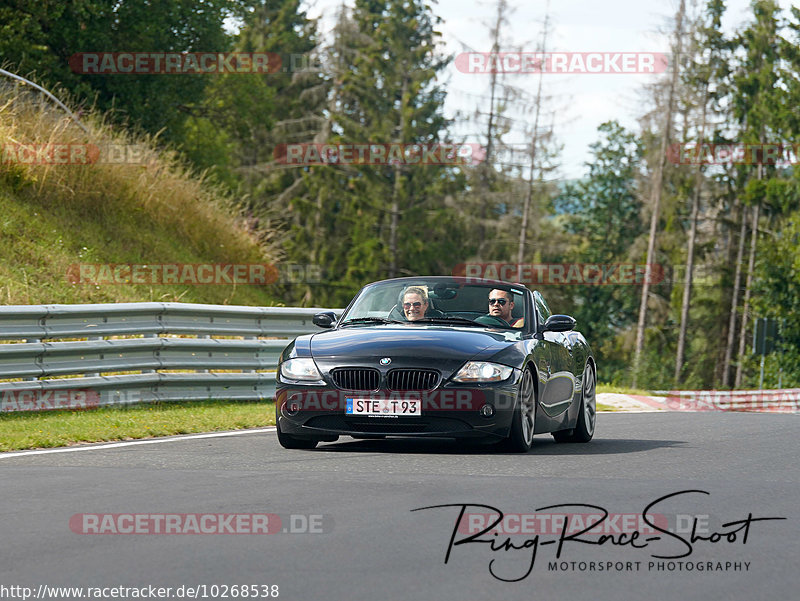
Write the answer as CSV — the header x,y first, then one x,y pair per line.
x,y
416,304
502,301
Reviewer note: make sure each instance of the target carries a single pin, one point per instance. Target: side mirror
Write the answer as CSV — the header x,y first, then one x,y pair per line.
x,y
325,319
559,323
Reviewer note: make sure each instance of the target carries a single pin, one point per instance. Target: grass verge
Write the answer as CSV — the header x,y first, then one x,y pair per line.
x,y
46,429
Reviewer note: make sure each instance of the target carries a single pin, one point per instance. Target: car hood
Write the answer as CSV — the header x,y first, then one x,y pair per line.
x,y
445,348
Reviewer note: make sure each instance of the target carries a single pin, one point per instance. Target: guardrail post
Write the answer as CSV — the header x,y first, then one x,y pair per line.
x,y
92,339
33,378
207,336
250,371
150,371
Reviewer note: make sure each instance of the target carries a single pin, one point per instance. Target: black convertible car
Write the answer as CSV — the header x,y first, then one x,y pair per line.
x,y
446,357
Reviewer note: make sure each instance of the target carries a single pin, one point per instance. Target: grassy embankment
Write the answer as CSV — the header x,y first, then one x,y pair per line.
x,y
150,210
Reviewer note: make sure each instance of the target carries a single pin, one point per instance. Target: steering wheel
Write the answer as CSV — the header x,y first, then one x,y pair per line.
x,y
491,320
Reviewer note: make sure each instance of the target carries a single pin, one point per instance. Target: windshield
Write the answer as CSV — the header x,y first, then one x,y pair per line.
x,y
434,300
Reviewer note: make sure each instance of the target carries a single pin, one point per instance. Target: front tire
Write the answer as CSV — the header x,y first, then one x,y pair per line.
x,y
587,414
520,439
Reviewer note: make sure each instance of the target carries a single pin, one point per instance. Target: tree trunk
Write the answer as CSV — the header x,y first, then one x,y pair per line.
x,y
523,232
737,279
746,308
502,7
750,268
484,169
656,192
687,284
394,216
394,210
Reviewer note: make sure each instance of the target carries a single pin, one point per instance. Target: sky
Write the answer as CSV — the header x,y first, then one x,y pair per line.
x,y
578,102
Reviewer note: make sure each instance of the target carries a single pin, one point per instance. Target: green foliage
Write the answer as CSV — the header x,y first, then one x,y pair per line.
x,y
367,222
41,37
755,81
603,208
602,213
777,295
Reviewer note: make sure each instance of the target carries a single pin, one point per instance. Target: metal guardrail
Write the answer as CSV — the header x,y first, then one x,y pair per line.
x,y
141,338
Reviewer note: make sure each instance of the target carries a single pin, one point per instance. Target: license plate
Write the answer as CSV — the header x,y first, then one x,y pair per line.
x,y
383,407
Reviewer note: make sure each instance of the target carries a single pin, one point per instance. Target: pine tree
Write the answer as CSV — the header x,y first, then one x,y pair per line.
x,y
657,190
754,104
705,72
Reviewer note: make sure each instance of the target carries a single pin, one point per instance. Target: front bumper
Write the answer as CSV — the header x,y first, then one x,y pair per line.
x,y
449,411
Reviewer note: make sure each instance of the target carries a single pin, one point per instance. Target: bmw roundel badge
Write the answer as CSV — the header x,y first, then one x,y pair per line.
x,y
385,361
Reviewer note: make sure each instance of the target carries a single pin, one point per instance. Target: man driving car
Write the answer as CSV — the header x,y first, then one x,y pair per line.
x,y
501,304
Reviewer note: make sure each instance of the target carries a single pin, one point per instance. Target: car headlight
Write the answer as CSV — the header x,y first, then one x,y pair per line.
x,y
482,371
301,369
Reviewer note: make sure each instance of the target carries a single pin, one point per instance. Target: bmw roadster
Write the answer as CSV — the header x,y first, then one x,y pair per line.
x,y
442,357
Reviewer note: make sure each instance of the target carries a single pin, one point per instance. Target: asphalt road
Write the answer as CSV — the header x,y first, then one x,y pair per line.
x,y
372,545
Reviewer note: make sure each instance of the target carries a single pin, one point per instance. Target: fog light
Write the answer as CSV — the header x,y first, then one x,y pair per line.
x,y
291,408
487,411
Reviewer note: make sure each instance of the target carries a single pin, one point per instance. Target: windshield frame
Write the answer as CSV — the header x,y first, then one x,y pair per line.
x,y
431,283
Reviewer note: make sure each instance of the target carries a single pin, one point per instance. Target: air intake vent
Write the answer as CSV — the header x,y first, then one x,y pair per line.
x,y
413,379
356,378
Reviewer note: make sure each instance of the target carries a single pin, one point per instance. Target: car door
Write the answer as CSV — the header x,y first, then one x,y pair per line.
x,y
559,381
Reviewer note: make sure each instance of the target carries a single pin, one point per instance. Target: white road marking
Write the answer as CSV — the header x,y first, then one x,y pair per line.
x,y
129,443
